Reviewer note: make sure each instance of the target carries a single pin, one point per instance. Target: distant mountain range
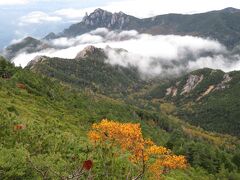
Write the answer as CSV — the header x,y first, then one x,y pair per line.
x,y
222,25
28,45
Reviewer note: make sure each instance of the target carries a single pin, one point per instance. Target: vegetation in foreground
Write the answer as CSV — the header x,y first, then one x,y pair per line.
x,y
45,124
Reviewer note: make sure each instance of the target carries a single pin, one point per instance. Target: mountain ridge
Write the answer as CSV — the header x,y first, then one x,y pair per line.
x,y
222,25
190,92
178,24
28,45
89,70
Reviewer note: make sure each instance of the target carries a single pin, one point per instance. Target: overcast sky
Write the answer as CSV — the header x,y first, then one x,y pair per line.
x,y
20,18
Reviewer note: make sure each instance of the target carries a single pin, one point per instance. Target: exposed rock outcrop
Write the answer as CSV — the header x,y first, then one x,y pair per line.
x,y
223,84
192,82
172,91
37,59
220,86
210,89
106,19
90,51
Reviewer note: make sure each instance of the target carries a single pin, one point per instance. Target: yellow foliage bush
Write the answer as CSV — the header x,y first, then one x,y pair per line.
x,y
128,136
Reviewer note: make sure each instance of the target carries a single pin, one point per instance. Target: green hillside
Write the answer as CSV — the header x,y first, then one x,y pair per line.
x,y
206,98
212,103
44,125
90,71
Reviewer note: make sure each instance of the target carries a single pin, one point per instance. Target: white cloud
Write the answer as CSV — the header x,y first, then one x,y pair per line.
x,y
152,55
99,35
71,13
13,2
143,8
83,39
38,17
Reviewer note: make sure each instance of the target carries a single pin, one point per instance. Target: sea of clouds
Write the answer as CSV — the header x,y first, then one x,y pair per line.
x,y
152,55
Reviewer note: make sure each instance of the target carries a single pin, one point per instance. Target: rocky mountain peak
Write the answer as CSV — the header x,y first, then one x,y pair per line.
x,y
100,11
102,18
37,59
89,51
29,38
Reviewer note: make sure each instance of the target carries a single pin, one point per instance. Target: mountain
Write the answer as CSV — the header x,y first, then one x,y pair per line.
x,y
101,18
89,69
27,45
222,25
206,98
231,10
59,116
50,36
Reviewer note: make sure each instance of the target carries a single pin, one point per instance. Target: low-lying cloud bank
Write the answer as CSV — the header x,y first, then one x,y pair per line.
x,y
153,55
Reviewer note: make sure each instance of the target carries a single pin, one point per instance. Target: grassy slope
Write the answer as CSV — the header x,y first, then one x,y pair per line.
x,y
57,118
90,72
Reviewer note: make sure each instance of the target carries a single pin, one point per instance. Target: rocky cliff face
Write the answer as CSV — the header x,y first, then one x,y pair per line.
x,y
199,85
102,18
192,82
37,59
90,51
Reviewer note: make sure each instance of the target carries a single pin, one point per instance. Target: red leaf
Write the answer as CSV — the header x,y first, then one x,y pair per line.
x,y
19,127
87,165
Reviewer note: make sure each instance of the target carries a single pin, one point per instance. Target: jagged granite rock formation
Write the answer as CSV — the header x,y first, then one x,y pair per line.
x,y
90,51
101,18
37,59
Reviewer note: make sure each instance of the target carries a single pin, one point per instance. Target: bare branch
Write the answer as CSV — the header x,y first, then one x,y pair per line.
x,y
41,172
140,176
